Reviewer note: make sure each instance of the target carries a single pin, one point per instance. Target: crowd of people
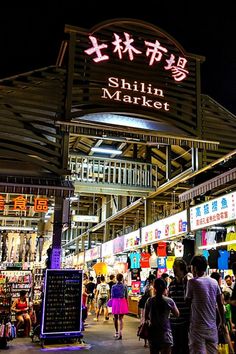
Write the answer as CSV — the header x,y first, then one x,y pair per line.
x,y
98,297
190,313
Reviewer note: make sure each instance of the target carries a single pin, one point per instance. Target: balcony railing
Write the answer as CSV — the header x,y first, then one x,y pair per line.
x,y
95,170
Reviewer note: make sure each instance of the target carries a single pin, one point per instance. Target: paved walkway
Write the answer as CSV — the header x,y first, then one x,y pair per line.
x,y
98,337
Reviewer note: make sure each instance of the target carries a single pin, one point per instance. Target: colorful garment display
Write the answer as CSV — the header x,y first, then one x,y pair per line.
x,y
223,260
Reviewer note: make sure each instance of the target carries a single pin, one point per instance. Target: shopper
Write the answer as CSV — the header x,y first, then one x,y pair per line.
x,y
90,289
119,295
157,311
102,296
148,292
229,284
180,325
21,307
111,282
203,293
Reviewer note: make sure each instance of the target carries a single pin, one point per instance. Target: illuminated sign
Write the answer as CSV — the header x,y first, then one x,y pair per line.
x,y
124,47
213,212
107,249
20,204
85,218
127,92
132,239
41,205
92,253
172,226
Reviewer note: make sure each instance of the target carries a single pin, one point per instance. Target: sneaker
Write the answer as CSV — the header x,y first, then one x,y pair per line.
x,y
95,319
107,318
89,313
116,335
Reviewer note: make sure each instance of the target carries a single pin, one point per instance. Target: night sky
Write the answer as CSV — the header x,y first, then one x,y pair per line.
x,y
30,35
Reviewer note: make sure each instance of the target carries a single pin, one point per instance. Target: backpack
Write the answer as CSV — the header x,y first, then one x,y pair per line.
x,y
103,292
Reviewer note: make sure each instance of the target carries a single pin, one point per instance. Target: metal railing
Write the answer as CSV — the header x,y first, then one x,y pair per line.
x,y
111,171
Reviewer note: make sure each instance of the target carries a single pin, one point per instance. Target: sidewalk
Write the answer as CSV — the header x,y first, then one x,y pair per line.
x,y
98,337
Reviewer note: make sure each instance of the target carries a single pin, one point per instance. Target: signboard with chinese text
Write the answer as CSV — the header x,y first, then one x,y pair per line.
x,y
215,211
172,226
132,66
22,203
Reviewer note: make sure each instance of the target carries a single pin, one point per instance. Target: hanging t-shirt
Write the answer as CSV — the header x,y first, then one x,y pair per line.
x,y
161,262
188,250
170,249
179,249
135,260
231,236
232,258
205,254
204,239
213,258
223,260
161,250
153,261
144,263
170,261
135,274
220,235
210,236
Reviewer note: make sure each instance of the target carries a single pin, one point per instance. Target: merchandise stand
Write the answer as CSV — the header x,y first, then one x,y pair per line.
x,y
7,329
62,302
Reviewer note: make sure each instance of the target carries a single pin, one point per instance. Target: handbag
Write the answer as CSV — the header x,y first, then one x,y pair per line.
x,y
143,331
223,349
109,303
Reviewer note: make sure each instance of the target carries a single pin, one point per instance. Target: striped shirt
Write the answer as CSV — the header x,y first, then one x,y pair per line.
x,y
203,292
177,293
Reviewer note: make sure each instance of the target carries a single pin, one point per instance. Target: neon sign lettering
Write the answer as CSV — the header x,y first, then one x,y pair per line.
x,y
135,86
153,51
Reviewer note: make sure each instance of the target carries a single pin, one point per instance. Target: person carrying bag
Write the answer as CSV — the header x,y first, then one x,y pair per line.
x,y
156,312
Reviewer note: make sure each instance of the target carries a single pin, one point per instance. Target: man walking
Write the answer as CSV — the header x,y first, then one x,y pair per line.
x,y
180,325
204,294
102,296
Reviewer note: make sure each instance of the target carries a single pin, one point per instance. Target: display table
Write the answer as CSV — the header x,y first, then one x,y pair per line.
x,y
133,305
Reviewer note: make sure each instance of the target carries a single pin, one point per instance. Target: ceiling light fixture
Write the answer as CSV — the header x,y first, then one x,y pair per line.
x,y
106,150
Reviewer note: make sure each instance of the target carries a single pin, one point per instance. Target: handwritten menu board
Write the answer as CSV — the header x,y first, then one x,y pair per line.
x,y
62,302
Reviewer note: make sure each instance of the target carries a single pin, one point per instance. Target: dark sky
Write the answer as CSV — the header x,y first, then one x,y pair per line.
x,y
31,34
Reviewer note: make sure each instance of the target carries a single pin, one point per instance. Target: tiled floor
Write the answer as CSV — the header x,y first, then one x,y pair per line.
x,y
98,337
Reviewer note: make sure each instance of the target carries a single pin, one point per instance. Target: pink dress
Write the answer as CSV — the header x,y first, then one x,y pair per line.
x,y
119,299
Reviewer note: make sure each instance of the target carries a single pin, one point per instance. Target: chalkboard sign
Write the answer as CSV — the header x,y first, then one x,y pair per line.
x,y
61,315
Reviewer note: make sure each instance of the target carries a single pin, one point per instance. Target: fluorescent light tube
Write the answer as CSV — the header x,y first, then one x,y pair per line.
x,y
106,150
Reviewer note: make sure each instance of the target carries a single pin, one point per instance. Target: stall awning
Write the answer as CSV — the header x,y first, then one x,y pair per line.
x,y
36,186
208,185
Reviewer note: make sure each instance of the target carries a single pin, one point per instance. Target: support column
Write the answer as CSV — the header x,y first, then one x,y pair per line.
x,y
148,211
106,233
195,162
57,233
168,162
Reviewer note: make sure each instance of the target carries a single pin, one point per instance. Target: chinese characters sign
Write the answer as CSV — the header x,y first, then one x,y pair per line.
x,y
213,212
20,203
124,46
